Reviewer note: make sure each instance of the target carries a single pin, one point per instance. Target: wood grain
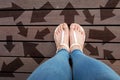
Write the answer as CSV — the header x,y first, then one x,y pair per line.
x,y
54,18
57,4
48,49
111,35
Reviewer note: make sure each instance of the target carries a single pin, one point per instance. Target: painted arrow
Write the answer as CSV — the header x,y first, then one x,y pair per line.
x,y
69,14
108,55
108,13
42,34
9,46
8,13
105,35
89,17
38,16
22,30
93,50
30,49
11,67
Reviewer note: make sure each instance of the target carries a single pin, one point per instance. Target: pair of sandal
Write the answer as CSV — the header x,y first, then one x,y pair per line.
x,y
76,36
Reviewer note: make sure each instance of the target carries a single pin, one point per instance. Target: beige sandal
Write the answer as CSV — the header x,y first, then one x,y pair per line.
x,y
62,43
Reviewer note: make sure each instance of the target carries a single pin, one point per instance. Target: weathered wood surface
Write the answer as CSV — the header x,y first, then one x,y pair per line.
x,y
46,33
23,48
47,49
59,4
55,17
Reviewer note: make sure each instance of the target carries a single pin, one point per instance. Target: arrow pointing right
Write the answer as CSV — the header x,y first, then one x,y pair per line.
x,y
22,29
105,35
9,13
89,17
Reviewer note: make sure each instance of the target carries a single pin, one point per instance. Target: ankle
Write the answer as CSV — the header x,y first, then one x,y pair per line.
x,y
63,46
76,46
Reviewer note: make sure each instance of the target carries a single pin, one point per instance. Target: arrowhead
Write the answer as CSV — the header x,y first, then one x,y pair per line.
x,y
47,6
69,12
16,14
30,48
109,35
38,16
3,67
69,5
24,32
106,13
90,19
39,35
14,6
9,47
95,50
108,55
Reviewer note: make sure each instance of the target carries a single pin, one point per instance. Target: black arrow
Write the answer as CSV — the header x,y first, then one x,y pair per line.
x,y
93,50
9,46
41,34
108,55
89,17
69,14
38,16
22,29
11,67
105,35
108,13
30,49
12,13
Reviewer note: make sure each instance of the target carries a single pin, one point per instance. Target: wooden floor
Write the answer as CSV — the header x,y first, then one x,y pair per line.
x,y
27,26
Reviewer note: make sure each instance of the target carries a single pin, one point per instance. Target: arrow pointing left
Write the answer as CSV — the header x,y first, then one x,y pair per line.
x,y
11,67
41,34
38,16
12,13
9,46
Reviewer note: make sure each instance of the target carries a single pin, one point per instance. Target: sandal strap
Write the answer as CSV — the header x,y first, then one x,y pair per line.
x,y
62,43
65,45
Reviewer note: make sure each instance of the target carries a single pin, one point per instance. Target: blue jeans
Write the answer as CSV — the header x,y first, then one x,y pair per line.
x,y
84,68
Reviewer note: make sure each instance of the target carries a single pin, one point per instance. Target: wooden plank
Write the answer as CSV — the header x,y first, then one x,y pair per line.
x,y
55,17
10,64
20,64
48,49
46,33
58,4
34,49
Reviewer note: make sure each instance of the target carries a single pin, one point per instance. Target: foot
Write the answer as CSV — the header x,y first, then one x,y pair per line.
x,y
77,37
61,37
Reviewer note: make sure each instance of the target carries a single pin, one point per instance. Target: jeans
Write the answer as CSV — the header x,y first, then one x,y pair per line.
x,y
83,68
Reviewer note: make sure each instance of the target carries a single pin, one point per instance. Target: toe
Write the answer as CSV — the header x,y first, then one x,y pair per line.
x,y
72,26
65,27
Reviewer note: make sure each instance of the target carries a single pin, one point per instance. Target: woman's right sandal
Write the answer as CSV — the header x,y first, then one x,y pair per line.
x,y
62,43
